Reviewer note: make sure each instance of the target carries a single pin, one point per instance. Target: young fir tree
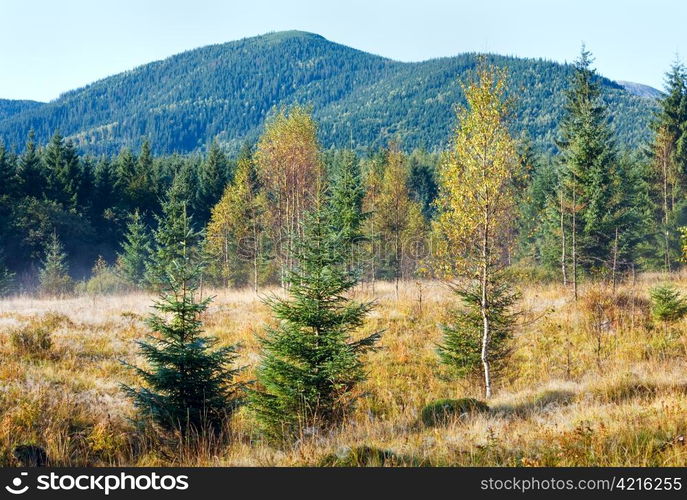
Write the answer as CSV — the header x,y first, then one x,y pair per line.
x,y
133,260
476,205
54,279
307,378
461,349
189,384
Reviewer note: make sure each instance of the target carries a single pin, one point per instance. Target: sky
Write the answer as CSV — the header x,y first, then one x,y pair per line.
x,y
48,47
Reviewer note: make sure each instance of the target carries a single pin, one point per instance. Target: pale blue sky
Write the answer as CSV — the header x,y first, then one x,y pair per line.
x,y
48,47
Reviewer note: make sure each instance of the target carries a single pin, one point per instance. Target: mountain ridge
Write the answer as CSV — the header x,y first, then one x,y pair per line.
x,y
226,91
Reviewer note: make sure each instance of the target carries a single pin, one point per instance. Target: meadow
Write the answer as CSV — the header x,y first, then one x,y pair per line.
x,y
595,382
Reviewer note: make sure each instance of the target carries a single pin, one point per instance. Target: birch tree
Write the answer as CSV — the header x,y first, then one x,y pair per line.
x,y
288,159
476,203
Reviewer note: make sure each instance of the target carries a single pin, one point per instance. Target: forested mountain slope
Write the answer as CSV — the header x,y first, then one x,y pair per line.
x,y
226,91
11,107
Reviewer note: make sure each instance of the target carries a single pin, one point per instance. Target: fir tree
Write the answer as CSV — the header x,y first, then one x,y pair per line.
x,y
461,349
174,237
189,385
669,162
30,172
590,174
69,176
346,200
62,164
310,365
212,179
132,262
54,273
673,116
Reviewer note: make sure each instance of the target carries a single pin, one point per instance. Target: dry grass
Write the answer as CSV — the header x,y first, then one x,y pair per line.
x,y
590,383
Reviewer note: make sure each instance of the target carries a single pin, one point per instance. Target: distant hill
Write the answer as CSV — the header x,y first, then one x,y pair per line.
x,y
10,107
226,91
641,90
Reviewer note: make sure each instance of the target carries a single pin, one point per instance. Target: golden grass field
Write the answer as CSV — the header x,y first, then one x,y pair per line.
x,y
595,382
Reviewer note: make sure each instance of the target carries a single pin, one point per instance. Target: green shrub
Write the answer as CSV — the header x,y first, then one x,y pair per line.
x,y
443,411
667,303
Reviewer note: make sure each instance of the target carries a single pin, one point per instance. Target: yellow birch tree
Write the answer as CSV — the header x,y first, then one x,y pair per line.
x,y
476,209
289,163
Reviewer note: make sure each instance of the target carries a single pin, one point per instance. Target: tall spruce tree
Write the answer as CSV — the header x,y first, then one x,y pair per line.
x,y
174,238
310,367
189,385
589,176
133,260
64,171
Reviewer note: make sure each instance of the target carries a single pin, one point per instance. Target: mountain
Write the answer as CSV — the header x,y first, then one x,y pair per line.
x,y
641,90
226,91
11,107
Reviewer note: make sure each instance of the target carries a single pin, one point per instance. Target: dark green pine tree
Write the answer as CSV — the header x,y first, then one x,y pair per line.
x,y
189,385
30,173
133,260
212,178
310,367
346,203
54,279
590,174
